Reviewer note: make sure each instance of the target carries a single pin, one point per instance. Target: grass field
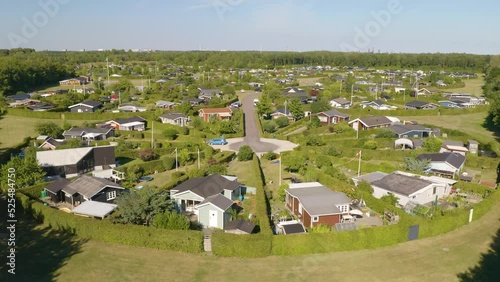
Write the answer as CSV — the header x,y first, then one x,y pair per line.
x,y
244,172
472,86
432,259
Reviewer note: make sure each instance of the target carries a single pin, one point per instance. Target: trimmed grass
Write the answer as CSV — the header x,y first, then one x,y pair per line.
x,y
432,259
472,86
244,172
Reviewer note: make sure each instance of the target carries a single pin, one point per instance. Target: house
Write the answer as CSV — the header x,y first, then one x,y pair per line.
x,y
209,197
473,146
314,204
454,149
24,103
51,144
377,105
81,80
208,94
408,187
450,104
88,106
332,117
296,93
193,101
282,112
175,119
220,113
370,177
410,131
370,122
82,189
340,103
445,164
165,104
420,92
240,227
85,90
73,162
89,133
129,124
41,107
18,97
420,105
131,108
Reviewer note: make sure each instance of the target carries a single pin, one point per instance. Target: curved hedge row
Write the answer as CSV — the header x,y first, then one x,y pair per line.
x,y
105,231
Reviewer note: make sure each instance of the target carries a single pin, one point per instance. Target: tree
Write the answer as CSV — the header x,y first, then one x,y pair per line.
x,y
172,221
384,133
295,163
269,126
282,122
50,129
217,169
27,170
323,161
295,109
134,172
432,144
197,172
170,133
282,192
147,154
320,106
245,153
265,106
391,199
141,206
413,164
184,156
184,107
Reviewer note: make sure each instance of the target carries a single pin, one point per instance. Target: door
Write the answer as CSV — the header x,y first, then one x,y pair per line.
x,y
212,219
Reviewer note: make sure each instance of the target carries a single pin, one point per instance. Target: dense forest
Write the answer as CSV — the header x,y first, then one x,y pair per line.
x,y
24,69
492,92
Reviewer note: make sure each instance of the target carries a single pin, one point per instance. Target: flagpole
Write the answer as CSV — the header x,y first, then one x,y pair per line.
x,y
281,159
359,164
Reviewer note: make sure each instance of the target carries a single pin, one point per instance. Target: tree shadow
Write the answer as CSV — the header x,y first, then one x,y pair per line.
x,y
488,268
40,251
490,125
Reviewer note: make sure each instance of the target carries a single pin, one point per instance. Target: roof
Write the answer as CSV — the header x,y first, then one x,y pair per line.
x,y
61,157
52,142
454,159
318,199
334,113
455,148
129,120
215,110
94,208
341,101
16,97
417,104
399,128
207,186
88,186
283,111
371,177
81,131
472,142
57,185
452,143
374,121
217,200
242,225
401,184
173,116
296,228
88,103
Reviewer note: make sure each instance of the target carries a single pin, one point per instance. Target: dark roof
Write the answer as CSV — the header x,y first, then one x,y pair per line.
x,y
131,119
219,201
57,185
376,120
454,159
207,186
341,101
296,228
282,111
405,128
173,116
18,97
88,186
242,225
53,142
401,184
81,131
417,104
91,103
335,113
379,102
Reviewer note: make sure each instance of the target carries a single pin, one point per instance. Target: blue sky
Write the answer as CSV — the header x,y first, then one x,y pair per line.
x,y
401,25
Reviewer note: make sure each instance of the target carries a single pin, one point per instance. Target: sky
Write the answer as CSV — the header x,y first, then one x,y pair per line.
x,y
394,26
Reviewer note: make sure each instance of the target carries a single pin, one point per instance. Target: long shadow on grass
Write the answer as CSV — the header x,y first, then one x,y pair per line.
x,y
490,125
40,251
488,268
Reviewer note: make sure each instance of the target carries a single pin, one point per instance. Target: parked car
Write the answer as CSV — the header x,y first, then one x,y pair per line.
x,y
217,141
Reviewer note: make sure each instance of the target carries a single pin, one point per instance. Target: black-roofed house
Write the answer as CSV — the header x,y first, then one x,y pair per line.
x,y
420,105
377,105
88,106
178,119
210,198
51,144
332,117
128,124
365,123
240,227
444,164
410,130
409,187
314,204
89,133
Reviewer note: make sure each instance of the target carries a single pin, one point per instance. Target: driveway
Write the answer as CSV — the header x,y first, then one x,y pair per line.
x,y
252,135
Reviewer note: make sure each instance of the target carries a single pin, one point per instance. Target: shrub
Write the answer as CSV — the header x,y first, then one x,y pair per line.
x,y
332,150
370,144
269,126
270,156
323,161
178,174
172,221
432,144
196,173
184,130
217,169
134,172
245,153
314,141
168,163
147,155
384,133
170,133
282,122
331,129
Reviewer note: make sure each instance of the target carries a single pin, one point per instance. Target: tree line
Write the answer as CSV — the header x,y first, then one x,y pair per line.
x,y
491,90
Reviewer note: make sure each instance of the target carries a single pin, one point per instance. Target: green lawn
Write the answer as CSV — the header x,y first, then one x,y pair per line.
x,y
244,172
472,86
432,259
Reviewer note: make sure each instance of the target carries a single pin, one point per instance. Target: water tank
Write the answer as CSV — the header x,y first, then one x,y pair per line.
x,y
44,194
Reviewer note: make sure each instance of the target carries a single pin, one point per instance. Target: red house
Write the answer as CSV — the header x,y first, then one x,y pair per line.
x,y
220,113
315,204
332,117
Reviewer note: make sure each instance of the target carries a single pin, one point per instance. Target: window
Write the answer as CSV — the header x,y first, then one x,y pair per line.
x,y
110,195
300,208
343,208
315,219
434,190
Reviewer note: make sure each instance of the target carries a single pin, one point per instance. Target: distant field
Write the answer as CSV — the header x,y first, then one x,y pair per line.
x,y
308,81
472,86
135,82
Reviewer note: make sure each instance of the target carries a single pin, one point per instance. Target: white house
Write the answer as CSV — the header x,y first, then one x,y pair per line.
x,y
340,103
178,119
448,164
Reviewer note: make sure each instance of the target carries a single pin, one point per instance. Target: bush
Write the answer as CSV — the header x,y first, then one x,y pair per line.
x,y
245,153
314,141
134,172
384,133
147,155
172,221
184,130
170,133
323,161
196,173
168,163
370,144
282,122
270,156
217,169
269,126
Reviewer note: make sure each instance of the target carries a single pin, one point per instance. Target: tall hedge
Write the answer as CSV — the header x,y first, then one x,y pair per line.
x,y
262,206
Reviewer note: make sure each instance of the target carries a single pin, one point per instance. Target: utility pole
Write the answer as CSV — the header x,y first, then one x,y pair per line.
x,y
281,160
199,158
340,90
176,162
359,164
152,134
352,92
107,66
